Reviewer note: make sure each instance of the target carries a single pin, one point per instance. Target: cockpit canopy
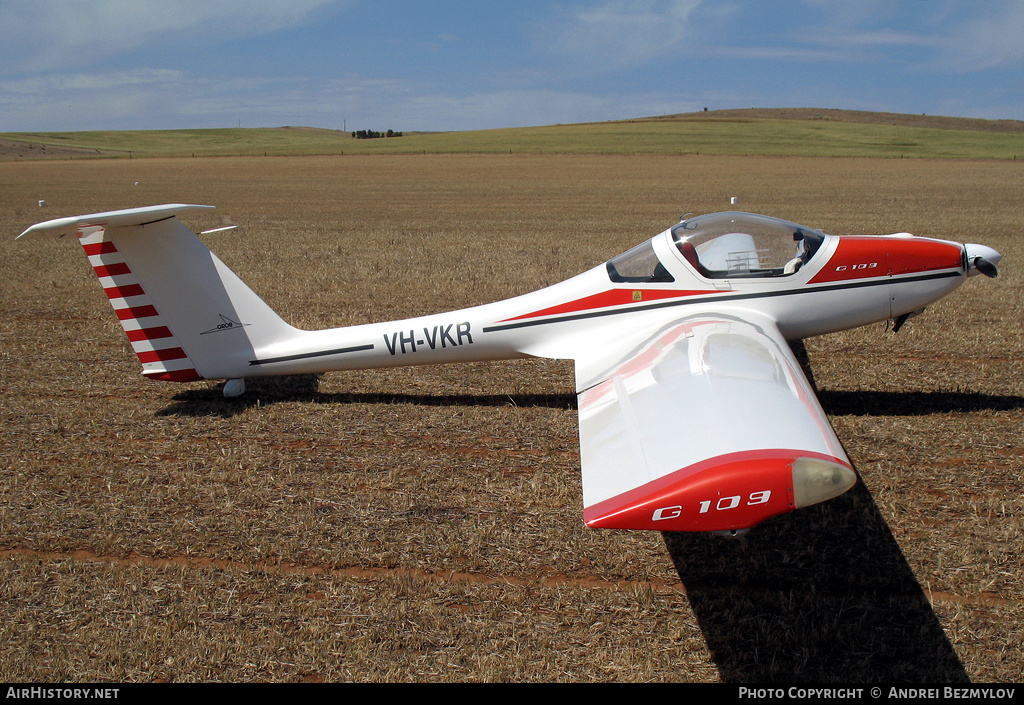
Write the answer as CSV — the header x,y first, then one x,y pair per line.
x,y
730,245
724,246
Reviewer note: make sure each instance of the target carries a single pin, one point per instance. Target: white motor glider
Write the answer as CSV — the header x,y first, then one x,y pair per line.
x,y
694,412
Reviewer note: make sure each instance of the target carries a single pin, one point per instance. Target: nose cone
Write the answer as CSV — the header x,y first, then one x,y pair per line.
x,y
982,259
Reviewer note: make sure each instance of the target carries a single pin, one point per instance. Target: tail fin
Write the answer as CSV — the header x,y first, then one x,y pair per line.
x,y
187,315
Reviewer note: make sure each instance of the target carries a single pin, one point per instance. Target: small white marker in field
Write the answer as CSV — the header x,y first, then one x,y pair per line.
x,y
42,203
734,200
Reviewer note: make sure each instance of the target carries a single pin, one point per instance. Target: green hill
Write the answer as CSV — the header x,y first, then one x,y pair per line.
x,y
778,132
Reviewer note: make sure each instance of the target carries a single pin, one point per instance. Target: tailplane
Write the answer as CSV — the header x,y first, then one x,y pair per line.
x,y
187,316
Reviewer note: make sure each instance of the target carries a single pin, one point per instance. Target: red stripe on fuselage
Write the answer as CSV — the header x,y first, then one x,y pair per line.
x,y
606,299
867,257
911,255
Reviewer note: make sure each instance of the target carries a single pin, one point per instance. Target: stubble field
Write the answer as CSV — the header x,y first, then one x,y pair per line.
x,y
425,524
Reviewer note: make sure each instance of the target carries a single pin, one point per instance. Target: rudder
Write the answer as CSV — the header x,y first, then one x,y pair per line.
x,y
187,316
159,351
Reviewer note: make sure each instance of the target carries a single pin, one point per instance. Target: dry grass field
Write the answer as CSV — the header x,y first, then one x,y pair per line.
x,y
425,524
804,132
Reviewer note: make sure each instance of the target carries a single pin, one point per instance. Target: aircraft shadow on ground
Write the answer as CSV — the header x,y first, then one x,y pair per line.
x,y
305,388
276,390
823,594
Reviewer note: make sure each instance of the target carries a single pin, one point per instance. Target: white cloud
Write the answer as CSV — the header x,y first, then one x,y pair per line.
x,y
996,39
164,99
48,35
617,33
960,35
66,101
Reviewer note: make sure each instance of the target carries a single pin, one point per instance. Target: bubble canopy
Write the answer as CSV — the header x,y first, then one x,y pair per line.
x,y
729,245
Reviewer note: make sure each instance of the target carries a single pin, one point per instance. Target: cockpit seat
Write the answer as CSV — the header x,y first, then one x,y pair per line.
x,y
690,255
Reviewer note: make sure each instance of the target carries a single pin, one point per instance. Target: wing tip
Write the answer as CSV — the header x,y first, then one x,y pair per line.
x,y
731,492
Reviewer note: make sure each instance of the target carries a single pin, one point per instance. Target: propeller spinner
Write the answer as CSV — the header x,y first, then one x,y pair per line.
x,y
982,259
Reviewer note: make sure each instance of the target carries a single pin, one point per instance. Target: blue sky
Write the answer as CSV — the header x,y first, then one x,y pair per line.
x,y
461,65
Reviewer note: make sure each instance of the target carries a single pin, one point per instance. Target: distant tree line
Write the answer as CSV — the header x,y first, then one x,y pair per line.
x,y
373,134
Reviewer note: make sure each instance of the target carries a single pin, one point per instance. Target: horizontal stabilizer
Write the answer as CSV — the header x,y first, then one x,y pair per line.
x,y
112,219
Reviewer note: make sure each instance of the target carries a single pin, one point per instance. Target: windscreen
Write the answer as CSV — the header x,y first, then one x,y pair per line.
x,y
638,266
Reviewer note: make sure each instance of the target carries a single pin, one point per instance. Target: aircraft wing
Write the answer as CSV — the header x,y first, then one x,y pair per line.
x,y
708,425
